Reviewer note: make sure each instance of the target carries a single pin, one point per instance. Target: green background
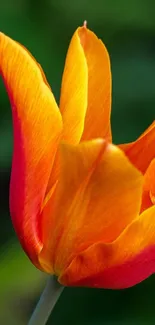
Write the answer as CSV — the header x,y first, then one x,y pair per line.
x,y
45,28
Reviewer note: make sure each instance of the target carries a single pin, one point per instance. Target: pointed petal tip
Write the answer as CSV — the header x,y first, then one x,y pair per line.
x,y
85,24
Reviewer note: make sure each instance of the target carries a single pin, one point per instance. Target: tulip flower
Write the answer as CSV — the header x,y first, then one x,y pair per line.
x,y
82,207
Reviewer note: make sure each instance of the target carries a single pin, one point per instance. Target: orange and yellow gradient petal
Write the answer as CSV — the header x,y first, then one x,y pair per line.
x,y
85,100
98,195
97,121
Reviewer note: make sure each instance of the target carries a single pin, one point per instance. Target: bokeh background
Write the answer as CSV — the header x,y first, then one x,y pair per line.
x,y
45,28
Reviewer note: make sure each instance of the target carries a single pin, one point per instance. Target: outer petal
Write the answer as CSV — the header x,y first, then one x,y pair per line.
x,y
37,127
121,264
98,195
142,151
86,85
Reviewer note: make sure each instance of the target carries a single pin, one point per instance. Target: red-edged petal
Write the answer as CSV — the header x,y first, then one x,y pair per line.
x,y
37,127
121,264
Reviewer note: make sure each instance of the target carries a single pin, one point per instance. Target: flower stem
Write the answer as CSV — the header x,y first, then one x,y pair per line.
x,y
46,302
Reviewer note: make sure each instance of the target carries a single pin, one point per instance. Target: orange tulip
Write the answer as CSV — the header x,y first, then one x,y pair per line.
x,y
83,208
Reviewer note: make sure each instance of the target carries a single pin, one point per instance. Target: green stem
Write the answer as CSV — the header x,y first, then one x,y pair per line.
x,y
46,302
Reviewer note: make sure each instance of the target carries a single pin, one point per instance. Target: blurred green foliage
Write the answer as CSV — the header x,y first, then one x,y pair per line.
x,y
45,28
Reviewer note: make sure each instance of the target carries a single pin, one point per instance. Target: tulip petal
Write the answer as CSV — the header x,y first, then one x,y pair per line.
x,y
73,99
121,264
142,151
37,127
98,194
85,100
97,121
